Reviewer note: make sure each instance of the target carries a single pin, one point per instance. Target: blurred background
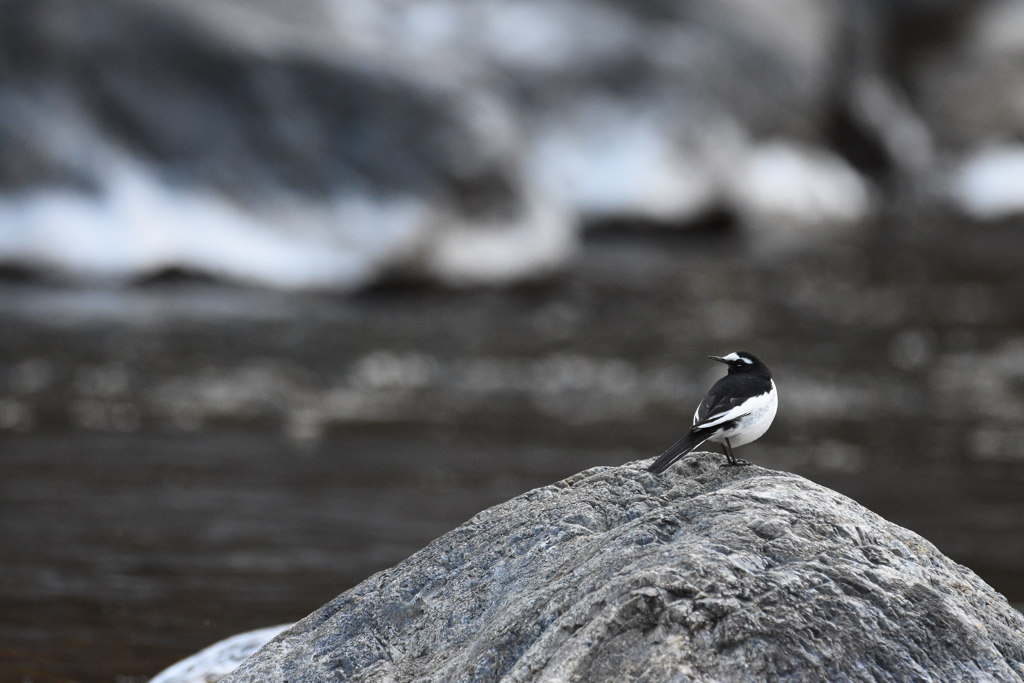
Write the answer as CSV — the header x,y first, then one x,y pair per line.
x,y
289,289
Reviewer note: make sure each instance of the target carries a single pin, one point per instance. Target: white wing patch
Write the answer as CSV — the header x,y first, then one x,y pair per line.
x,y
751,405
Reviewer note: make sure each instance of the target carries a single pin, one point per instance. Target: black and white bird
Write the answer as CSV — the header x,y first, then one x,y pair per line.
x,y
739,409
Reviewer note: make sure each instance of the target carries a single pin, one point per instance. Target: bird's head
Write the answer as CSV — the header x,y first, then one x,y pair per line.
x,y
741,361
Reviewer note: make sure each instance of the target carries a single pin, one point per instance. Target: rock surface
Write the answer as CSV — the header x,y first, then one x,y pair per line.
x,y
703,574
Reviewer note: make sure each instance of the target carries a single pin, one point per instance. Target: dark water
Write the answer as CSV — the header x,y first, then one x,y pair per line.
x,y
183,461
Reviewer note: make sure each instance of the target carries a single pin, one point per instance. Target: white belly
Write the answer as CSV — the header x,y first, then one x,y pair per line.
x,y
753,426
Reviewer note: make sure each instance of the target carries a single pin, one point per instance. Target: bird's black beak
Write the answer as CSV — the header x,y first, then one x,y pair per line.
x,y
720,360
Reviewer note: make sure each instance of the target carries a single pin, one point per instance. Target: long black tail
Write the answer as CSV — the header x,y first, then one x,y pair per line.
x,y
677,450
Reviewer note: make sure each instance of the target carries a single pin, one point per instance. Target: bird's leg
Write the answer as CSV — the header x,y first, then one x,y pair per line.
x,y
732,460
727,449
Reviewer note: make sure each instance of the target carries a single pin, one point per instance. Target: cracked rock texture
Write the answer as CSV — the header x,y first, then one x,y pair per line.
x,y
705,573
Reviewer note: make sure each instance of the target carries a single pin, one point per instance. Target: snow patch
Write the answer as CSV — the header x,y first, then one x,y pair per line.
x,y
137,225
990,183
220,659
801,184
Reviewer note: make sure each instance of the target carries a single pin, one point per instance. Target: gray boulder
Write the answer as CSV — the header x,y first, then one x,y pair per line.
x,y
705,573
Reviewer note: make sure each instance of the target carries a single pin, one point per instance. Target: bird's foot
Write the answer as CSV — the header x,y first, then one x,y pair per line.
x,y
737,462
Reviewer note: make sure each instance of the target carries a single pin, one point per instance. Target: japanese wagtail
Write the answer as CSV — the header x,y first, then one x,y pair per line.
x,y
739,409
